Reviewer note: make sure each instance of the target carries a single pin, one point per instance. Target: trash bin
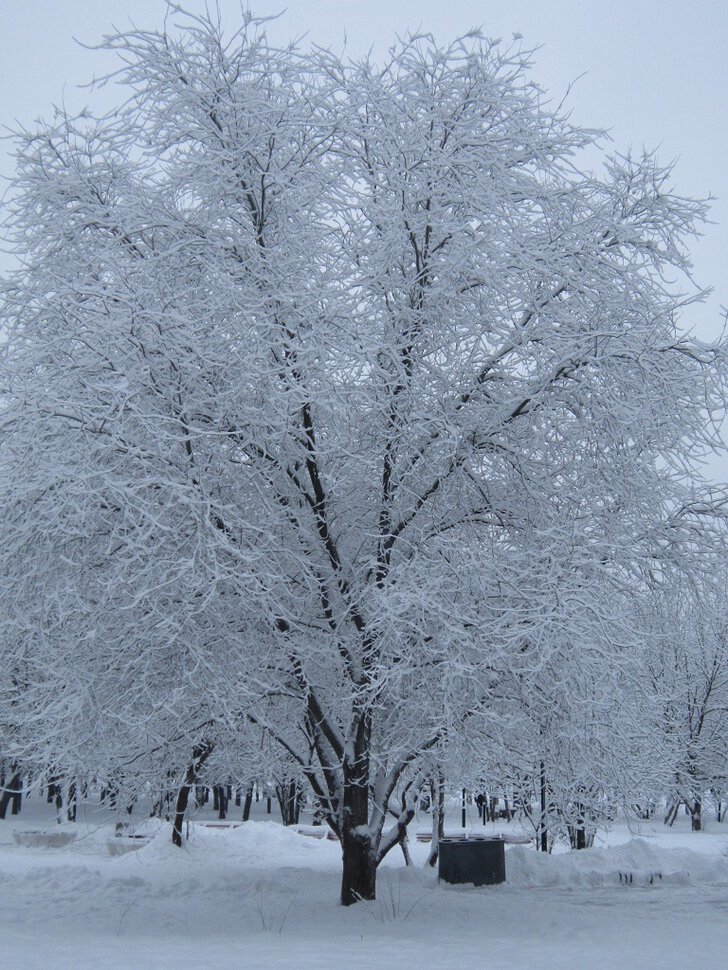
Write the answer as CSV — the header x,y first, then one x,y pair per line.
x,y
480,862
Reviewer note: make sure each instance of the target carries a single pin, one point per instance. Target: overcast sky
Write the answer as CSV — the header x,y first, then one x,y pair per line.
x,y
653,72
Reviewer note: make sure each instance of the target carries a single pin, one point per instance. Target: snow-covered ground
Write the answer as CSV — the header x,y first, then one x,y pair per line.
x,y
261,896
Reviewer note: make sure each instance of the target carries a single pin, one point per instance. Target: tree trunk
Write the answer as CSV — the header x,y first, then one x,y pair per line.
x,y
72,802
437,789
200,754
183,796
543,833
221,802
247,803
577,831
696,815
288,794
671,813
12,794
358,881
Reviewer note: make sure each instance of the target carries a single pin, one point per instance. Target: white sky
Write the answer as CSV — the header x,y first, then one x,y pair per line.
x,y
655,72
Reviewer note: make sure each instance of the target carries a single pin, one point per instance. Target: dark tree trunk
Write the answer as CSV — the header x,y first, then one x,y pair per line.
x,y
247,803
543,834
222,802
71,806
183,796
17,795
12,794
671,813
288,794
358,881
581,830
200,754
696,815
438,817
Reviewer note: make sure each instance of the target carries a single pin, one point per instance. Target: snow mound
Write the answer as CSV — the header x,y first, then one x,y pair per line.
x,y
254,845
635,863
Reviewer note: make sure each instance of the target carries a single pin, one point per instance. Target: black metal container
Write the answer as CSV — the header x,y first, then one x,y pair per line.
x,y
480,862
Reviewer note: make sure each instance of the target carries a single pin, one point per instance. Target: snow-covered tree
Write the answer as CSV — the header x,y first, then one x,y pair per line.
x,y
334,394
685,685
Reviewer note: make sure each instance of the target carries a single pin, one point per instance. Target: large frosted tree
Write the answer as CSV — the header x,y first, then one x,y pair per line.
x,y
333,394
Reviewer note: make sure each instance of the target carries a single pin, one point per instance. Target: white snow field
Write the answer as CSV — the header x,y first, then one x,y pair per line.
x,y
262,896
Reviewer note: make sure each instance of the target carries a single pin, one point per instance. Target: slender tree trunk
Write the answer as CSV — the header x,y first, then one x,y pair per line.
x,y
72,802
247,804
200,754
672,810
543,834
17,795
12,794
179,813
696,814
437,789
577,831
288,794
222,802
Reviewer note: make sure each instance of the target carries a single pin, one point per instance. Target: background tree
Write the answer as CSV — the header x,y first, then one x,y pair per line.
x,y
686,688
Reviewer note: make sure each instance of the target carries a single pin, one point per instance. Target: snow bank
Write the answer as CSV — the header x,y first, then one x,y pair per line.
x,y
636,862
254,845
